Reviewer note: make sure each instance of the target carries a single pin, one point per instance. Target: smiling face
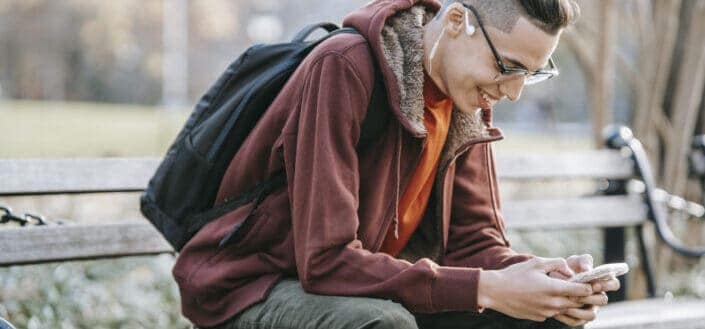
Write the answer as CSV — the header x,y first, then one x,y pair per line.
x,y
464,67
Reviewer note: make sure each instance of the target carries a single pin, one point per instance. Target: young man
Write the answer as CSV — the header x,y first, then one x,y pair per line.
x,y
407,232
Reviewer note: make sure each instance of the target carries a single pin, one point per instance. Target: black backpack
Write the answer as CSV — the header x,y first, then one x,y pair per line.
x,y
179,199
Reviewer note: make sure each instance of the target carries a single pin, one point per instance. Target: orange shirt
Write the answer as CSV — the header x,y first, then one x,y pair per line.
x,y
415,197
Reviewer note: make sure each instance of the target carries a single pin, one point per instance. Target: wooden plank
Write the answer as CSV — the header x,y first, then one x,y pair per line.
x,y
587,164
40,176
56,243
651,314
597,211
40,244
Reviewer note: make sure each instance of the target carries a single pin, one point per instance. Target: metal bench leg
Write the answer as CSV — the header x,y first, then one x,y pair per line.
x,y
615,252
646,263
615,240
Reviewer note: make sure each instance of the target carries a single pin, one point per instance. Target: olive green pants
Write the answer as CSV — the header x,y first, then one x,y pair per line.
x,y
288,306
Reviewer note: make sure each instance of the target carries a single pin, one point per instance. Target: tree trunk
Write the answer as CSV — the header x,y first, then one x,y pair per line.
x,y
602,92
668,83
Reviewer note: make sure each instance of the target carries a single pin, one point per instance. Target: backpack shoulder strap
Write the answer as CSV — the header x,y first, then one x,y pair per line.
x,y
375,122
372,127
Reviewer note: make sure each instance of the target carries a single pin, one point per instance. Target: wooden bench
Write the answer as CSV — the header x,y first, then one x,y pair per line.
x,y
612,212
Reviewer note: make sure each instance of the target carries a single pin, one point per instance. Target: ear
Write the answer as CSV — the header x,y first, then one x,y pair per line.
x,y
454,20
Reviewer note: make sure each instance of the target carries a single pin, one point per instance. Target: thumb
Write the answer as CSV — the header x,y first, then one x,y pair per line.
x,y
556,265
558,275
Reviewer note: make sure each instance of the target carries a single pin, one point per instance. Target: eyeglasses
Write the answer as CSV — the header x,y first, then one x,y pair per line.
x,y
510,73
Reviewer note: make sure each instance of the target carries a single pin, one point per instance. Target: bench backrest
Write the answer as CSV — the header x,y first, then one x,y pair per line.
x,y
38,244
570,211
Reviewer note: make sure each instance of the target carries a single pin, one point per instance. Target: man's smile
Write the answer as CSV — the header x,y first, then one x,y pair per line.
x,y
486,100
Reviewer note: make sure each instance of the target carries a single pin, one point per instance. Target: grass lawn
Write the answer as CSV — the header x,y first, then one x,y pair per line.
x,y
48,129
56,129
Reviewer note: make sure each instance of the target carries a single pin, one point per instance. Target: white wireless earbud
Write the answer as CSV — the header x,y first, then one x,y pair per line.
x,y
469,29
433,50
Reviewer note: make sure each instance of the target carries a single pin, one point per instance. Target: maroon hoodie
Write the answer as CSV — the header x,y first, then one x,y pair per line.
x,y
327,225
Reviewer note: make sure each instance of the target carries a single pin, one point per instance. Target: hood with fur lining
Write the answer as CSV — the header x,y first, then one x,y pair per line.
x,y
394,29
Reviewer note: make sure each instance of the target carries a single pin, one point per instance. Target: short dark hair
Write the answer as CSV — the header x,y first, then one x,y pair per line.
x,y
549,15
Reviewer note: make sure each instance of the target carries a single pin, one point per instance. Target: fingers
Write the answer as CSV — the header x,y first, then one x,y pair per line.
x,y
536,318
558,275
599,299
576,263
610,284
572,289
553,306
560,304
588,314
570,321
555,265
597,286
580,263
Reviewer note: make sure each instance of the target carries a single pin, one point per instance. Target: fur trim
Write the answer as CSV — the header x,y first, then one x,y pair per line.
x,y
463,128
402,45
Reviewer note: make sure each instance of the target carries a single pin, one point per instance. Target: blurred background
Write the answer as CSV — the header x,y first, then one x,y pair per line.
x,y
93,78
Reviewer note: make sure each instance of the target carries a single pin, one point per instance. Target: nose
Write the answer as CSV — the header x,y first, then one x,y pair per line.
x,y
512,88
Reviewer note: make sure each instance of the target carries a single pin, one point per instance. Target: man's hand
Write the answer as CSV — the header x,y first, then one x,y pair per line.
x,y
579,316
525,291
582,263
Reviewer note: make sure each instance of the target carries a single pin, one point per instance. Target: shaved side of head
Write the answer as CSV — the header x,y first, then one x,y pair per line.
x,y
549,15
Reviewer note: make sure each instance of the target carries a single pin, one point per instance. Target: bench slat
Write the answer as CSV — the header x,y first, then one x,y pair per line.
x,y
651,314
40,244
69,242
586,164
55,176
597,211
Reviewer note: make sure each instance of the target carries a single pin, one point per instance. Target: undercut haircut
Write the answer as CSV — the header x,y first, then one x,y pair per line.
x,y
551,16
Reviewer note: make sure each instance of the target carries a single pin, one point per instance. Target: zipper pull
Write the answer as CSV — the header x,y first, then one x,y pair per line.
x,y
230,234
237,226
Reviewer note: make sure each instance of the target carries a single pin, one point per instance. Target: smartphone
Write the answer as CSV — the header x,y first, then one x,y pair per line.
x,y
601,272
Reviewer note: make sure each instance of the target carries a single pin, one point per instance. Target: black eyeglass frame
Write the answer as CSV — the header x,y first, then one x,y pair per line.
x,y
539,75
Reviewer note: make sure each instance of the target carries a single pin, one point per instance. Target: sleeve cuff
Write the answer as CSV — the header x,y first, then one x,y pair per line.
x,y
455,289
517,258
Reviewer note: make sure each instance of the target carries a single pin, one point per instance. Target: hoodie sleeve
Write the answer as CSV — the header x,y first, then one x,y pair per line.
x,y
322,172
477,235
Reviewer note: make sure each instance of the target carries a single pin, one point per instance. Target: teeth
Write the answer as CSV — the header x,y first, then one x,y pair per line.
x,y
485,97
